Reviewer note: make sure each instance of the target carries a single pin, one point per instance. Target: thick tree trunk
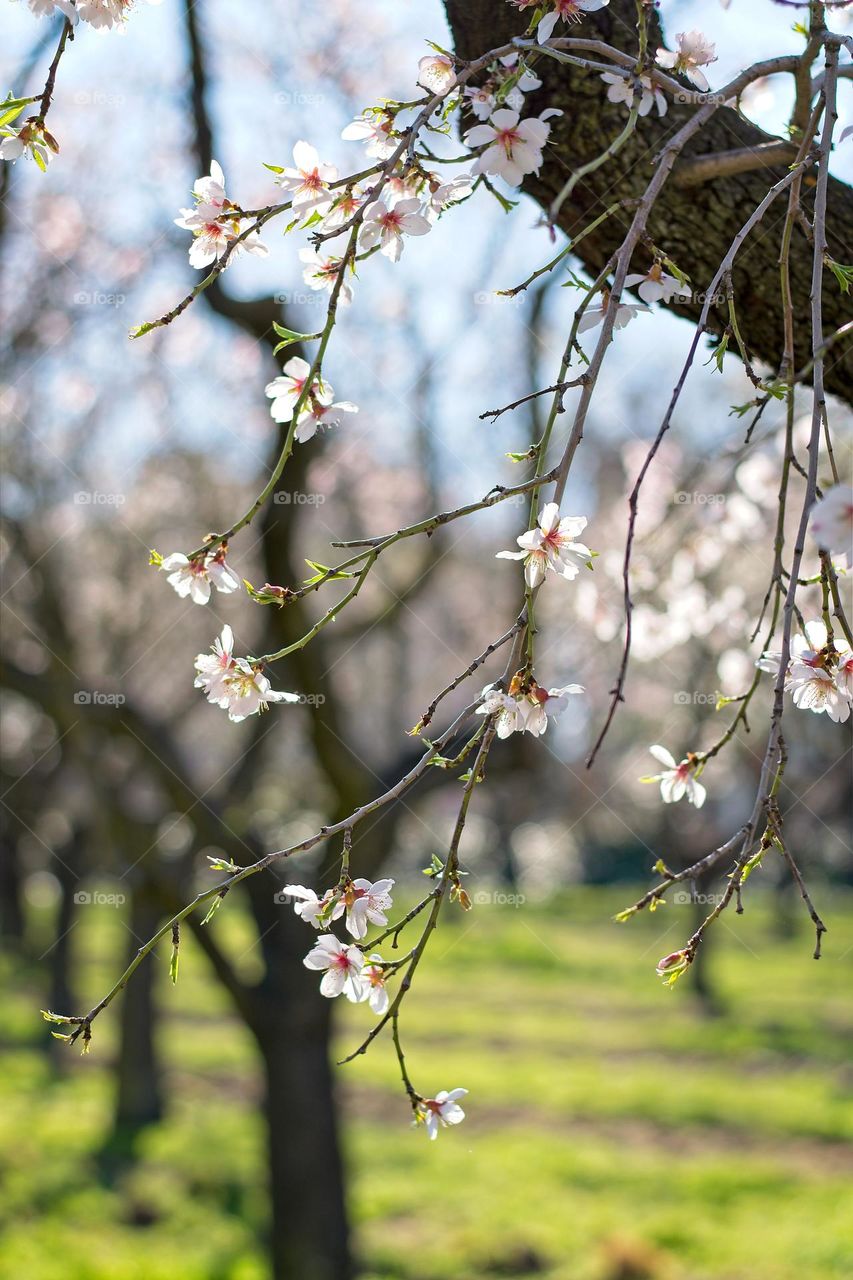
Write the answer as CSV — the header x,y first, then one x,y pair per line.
x,y
309,1231
291,1021
139,1095
694,225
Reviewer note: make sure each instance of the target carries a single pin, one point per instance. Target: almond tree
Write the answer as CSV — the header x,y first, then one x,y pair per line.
x,y
668,197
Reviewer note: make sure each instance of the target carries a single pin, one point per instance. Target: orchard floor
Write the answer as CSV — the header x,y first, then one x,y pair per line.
x,y
614,1131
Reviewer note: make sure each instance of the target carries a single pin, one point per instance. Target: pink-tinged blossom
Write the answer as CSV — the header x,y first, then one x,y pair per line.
x,y
344,208
316,415
542,703
286,389
307,182
387,227
569,11
513,147
342,964
322,271
436,73
622,90
313,909
815,689
234,684
551,545
194,577
374,990
215,223
318,407
671,967
819,676
657,285
376,132
526,707
832,522
366,904
694,51
442,1110
47,8
678,780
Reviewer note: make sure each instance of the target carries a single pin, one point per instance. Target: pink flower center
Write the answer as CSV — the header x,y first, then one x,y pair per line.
x,y
313,181
507,138
342,962
392,221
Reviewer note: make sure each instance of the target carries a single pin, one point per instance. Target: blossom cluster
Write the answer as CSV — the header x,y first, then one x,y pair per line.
x,y
235,684
819,673
525,708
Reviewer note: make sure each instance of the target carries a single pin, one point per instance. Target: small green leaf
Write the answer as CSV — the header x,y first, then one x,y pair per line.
x,y
11,108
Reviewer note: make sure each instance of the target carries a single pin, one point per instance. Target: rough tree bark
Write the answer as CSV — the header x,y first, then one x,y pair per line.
x,y
695,225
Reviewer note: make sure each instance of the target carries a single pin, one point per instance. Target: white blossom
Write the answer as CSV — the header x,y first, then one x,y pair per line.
x,y
47,8
436,73
625,313
694,51
215,223
387,227
235,684
374,990
307,182
342,964
322,273
508,711
622,90
366,904
513,147
310,907
316,415
458,188
193,578
31,140
551,545
569,11
657,285
543,703
318,408
678,779
375,132
442,1110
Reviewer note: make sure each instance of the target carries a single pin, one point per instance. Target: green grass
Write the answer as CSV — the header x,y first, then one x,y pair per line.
x,y
613,1131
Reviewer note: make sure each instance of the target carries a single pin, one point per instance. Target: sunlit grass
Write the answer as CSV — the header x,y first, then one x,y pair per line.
x,y
614,1131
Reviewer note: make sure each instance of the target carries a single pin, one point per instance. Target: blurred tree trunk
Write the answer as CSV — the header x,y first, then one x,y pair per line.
x,y
138,1076
12,923
60,958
